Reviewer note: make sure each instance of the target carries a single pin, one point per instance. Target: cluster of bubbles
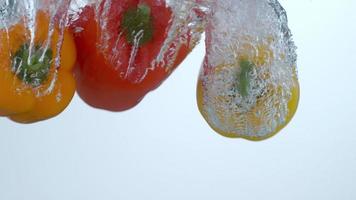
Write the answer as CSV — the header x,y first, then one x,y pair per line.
x,y
248,81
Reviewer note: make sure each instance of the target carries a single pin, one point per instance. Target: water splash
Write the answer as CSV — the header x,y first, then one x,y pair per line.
x,y
249,48
24,13
187,23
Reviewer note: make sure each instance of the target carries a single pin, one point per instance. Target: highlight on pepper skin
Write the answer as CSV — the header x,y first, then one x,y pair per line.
x,y
36,81
245,99
131,55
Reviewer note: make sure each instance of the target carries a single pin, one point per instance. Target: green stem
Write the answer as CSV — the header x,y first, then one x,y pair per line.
x,y
137,24
33,71
244,79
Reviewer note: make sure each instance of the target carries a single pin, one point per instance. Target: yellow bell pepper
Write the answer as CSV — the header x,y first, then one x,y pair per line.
x,y
36,81
219,111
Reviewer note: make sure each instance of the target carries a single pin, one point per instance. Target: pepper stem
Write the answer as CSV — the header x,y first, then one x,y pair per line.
x,y
137,24
34,70
244,79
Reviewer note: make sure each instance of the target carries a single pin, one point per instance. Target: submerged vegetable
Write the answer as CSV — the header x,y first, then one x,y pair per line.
x,y
248,86
36,81
120,45
245,103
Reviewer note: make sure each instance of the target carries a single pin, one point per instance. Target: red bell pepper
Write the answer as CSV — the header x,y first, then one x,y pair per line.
x,y
119,43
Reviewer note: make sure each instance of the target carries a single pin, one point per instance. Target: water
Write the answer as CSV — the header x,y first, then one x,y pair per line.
x,y
24,14
249,69
186,25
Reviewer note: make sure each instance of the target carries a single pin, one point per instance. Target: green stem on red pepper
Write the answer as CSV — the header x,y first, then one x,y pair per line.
x,y
137,24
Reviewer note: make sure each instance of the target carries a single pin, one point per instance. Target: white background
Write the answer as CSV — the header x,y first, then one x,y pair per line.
x,y
163,149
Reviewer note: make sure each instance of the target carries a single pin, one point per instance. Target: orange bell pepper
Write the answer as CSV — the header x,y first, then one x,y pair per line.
x,y
36,81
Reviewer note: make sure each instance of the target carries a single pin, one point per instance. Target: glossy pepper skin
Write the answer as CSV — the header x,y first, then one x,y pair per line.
x,y
34,89
117,49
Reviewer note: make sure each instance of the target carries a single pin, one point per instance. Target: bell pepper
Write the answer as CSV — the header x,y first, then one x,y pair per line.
x,y
36,81
119,44
226,102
